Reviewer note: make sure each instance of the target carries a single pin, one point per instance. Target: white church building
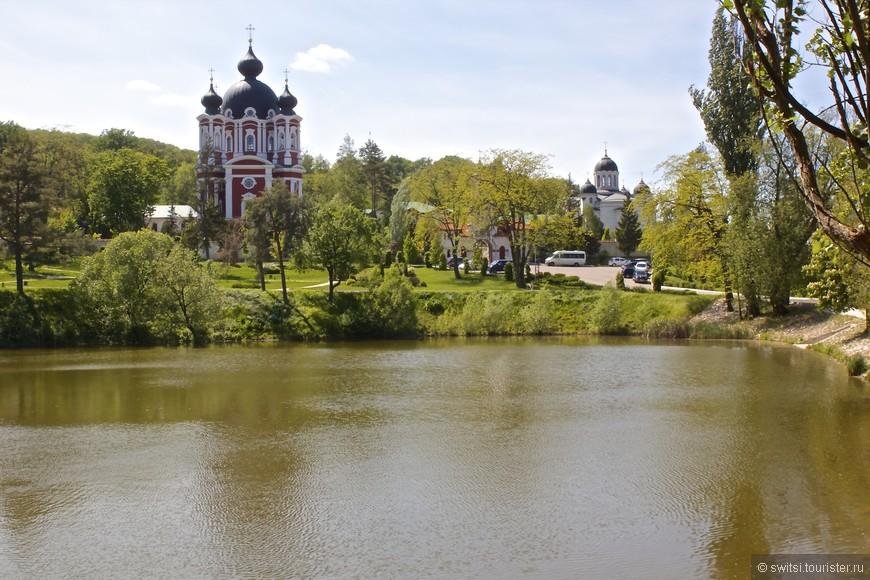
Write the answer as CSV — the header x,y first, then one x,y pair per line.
x,y
605,196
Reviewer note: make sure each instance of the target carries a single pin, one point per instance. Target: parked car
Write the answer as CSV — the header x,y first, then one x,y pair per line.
x,y
641,271
458,259
497,266
618,261
628,270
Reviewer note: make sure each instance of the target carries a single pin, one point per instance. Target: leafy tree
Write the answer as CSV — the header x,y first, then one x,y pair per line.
x,y
513,187
393,305
838,280
123,185
115,140
118,285
444,185
342,240
257,237
192,295
686,219
550,233
284,218
23,203
628,231
840,45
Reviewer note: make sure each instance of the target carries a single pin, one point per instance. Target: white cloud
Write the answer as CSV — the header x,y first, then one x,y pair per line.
x,y
144,86
320,59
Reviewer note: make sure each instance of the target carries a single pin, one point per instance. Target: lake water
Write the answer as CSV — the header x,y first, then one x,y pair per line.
x,y
545,458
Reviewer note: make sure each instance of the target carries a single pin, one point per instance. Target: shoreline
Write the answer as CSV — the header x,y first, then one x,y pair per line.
x,y
804,327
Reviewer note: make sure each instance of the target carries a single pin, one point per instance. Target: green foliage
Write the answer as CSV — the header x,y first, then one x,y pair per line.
x,y
620,281
123,184
441,261
341,240
837,280
606,315
509,271
658,279
143,288
23,199
392,306
537,317
388,259
628,231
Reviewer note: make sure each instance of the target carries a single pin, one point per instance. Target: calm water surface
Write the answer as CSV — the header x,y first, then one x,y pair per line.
x,y
491,459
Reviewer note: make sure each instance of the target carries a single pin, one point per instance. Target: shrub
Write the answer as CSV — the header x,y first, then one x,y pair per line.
x,y
427,260
509,271
620,281
537,316
606,315
658,279
856,365
442,261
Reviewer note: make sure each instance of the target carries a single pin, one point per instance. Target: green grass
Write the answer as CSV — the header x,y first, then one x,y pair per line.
x,y
445,281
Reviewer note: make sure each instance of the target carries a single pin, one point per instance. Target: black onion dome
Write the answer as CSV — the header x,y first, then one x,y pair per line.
x,y
249,92
287,102
250,66
212,101
588,187
606,164
640,187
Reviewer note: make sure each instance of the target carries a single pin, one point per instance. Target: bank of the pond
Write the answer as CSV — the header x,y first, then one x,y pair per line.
x,y
841,336
55,318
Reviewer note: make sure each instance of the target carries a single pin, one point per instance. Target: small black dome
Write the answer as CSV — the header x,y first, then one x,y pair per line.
x,y
640,187
249,92
212,101
588,187
287,102
606,164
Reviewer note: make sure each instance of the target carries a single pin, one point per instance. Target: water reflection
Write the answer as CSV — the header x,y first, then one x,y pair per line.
x,y
487,458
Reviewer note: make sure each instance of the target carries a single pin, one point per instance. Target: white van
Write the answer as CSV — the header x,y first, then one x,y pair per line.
x,y
566,258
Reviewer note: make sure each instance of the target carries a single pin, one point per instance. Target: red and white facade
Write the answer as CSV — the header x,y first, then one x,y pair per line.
x,y
254,138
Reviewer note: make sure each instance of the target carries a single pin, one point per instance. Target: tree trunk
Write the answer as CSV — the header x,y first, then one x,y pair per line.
x,y
19,271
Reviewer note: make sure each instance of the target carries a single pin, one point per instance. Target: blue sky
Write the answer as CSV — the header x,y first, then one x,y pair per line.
x,y
423,78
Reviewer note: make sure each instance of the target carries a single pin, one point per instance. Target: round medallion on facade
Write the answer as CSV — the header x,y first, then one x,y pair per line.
x,y
249,182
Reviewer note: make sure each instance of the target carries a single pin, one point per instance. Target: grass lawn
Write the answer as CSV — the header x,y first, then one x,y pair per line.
x,y
445,281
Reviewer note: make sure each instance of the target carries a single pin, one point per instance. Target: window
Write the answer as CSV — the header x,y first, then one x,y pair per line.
x,y
249,142
229,142
250,112
249,182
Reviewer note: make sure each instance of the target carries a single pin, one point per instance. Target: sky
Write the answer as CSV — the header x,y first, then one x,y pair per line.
x,y
421,78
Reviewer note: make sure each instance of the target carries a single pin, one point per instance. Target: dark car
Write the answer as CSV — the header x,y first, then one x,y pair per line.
x,y
497,266
451,259
641,271
628,270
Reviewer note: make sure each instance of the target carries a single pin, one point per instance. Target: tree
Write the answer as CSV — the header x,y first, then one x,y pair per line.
x,y
342,240
257,237
192,294
283,218
375,171
444,185
512,187
628,231
210,223
686,219
123,185
23,207
838,281
840,46
592,222
121,287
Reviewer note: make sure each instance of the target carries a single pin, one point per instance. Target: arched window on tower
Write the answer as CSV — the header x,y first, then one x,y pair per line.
x,y
292,138
249,142
271,142
229,142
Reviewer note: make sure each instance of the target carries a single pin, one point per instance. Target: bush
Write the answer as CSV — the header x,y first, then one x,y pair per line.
x,y
442,261
509,271
620,281
606,315
658,279
856,365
